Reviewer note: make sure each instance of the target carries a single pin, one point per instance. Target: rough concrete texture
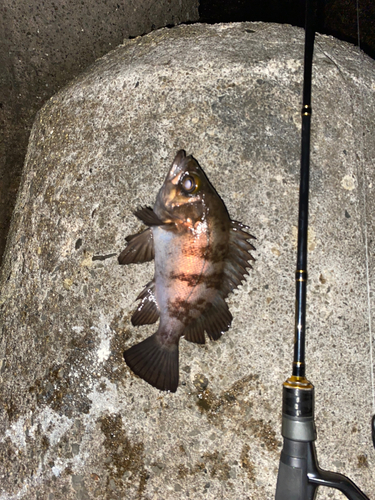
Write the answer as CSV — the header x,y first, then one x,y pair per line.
x,y
43,45
75,422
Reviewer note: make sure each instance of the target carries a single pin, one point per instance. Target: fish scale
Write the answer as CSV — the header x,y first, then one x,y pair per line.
x,y
200,257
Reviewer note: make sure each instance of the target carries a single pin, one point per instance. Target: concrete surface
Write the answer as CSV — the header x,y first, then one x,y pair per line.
x,y
75,422
44,45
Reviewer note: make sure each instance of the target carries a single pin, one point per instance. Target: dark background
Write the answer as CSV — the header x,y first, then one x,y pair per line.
x,y
43,45
333,17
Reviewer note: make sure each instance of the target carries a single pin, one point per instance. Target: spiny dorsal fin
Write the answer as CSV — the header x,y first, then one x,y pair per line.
x,y
237,263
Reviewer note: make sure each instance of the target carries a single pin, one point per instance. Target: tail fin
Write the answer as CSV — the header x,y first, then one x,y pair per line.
x,y
155,362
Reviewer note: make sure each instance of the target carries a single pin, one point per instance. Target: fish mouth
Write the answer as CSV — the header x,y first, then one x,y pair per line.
x,y
179,165
169,190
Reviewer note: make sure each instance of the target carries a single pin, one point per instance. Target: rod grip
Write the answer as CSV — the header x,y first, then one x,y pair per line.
x,y
292,480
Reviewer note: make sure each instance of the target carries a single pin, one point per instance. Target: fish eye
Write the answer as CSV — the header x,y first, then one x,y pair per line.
x,y
190,184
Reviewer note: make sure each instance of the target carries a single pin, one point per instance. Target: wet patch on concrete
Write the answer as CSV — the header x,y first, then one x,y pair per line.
x,y
247,464
231,405
64,386
124,460
215,406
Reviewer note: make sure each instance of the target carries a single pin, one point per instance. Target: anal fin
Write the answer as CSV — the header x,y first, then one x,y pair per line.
x,y
147,311
218,318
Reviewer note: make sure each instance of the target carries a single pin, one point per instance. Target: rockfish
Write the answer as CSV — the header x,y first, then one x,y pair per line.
x,y
200,256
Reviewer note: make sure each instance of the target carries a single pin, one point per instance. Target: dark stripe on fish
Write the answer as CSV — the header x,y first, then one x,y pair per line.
x,y
185,310
210,280
209,253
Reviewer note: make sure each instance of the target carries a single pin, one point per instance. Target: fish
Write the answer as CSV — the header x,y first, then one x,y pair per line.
x,y
200,256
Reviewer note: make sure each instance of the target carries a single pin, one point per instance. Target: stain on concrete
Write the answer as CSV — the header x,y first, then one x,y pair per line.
x,y
217,465
247,464
124,460
215,406
59,388
229,405
264,431
362,461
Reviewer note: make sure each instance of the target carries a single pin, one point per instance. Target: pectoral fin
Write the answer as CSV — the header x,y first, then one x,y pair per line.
x,y
140,248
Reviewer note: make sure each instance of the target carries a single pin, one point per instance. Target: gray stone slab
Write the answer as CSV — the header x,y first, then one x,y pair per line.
x,y
44,45
75,422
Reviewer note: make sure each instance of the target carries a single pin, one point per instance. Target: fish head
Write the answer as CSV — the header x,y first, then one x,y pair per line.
x,y
187,194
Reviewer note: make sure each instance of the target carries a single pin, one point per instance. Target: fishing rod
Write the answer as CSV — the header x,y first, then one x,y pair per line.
x,y
299,473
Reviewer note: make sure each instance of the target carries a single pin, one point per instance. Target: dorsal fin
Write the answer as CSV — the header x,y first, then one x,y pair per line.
x,y
215,321
237,262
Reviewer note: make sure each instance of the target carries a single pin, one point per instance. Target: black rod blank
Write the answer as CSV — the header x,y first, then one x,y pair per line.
x,y
299,473
301,271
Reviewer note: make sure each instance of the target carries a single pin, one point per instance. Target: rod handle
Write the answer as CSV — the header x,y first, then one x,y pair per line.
x,y
300,475
339,482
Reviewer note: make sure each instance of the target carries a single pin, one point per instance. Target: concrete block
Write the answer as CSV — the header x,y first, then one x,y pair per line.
x,y
75,422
